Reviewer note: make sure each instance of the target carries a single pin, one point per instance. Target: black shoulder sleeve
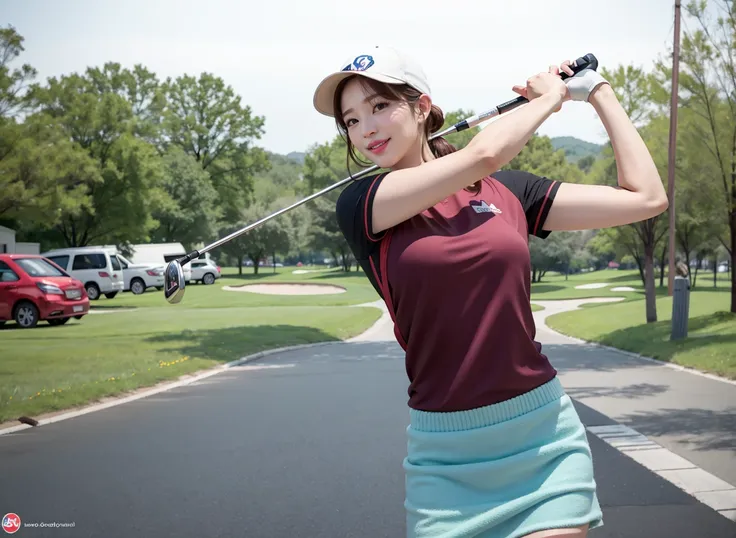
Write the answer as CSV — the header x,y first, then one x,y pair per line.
x,y
536,194
354,212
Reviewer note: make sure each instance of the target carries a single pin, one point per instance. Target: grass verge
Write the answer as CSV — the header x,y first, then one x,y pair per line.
x,y
709,347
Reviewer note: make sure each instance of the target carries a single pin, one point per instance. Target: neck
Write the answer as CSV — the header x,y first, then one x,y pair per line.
x,y
418,154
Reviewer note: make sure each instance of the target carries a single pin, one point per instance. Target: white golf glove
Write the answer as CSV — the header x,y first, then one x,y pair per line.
x,y
582,84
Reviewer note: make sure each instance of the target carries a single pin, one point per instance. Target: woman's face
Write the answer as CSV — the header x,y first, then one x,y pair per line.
x,y
385,132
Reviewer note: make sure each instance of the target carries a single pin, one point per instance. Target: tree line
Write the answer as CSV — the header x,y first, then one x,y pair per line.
x,y
119,156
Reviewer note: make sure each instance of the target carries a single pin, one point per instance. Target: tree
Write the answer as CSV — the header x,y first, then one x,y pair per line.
x,y
462,138
39,165
189,213
325,165
13,83
267,238
548,254
205,118
124,187
43,174
539,157
708,85
140,88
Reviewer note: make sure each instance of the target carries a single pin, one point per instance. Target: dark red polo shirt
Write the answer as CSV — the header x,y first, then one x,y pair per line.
x,y
457,280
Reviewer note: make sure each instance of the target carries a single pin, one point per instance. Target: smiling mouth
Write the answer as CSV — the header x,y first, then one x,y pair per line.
x,y
378,146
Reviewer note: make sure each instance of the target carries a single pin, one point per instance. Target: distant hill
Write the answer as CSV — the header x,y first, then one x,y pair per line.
x,y
575,148
296,156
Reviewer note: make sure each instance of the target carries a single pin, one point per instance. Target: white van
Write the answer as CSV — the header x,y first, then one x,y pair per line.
x,y
160,253
98,268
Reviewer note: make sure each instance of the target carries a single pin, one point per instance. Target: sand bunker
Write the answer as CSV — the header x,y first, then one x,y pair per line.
x,y
591,286
623,288
288,289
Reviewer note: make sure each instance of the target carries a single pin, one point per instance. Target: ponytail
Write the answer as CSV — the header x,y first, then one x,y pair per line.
x,y
439,146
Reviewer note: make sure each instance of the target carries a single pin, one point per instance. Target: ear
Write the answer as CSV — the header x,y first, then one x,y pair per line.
x,y
425,106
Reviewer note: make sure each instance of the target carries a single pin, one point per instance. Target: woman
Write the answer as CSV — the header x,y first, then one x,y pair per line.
x,y
495,447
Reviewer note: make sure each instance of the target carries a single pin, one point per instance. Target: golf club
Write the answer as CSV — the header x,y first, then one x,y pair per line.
x,y
174,282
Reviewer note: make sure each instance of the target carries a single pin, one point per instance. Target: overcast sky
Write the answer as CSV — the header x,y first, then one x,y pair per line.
x,y
274,53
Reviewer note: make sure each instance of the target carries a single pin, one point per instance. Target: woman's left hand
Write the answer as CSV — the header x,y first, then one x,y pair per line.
x,y
564,68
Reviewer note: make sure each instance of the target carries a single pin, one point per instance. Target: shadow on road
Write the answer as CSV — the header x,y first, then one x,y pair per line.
x,y
574,357
232,343
703,429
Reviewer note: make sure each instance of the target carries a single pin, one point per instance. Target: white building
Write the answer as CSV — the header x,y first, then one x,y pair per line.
x,y
8,245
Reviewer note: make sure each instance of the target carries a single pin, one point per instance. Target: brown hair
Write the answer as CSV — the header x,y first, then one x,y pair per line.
x,y
393,92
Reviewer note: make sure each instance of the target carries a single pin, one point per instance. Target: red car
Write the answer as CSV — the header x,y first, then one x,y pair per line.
x,y
33,288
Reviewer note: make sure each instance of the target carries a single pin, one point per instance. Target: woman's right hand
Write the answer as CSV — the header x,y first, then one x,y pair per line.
x,y
545,83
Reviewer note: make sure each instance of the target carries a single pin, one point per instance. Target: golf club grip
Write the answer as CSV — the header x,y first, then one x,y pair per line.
x,y
589,61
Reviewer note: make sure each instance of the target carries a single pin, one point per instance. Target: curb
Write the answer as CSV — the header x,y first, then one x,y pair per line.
x,y
680,472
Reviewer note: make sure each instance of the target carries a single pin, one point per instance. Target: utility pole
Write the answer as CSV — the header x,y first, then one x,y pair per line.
x,y
672,148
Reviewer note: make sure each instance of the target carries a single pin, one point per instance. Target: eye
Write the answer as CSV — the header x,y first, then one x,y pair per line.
x,y
380,106
348,123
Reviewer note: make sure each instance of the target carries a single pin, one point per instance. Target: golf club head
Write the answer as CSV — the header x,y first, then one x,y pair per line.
x,y
174,282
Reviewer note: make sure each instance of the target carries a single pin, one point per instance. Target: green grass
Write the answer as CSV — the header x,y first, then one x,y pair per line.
x,y
709,347
554,286
141,340
358,290
711,342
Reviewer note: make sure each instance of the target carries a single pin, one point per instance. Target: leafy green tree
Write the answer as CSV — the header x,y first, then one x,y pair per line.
x,y
140,88
708,88
268,238
126,185
189,213
540,157
13,82
325,165
43,174
462,138
205,118
39,165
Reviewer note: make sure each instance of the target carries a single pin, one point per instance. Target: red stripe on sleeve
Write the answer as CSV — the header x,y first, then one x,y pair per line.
x,y
368,231
541,209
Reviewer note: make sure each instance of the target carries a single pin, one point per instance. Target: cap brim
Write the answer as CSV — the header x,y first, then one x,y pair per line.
x,y
324,95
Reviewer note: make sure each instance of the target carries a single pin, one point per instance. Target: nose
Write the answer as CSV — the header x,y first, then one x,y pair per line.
x,y
369,128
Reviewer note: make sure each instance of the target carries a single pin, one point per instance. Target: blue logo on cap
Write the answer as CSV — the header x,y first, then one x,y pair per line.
x,y
361,63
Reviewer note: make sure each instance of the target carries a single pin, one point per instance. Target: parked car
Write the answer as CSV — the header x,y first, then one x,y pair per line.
x,y
32,288
140,276
160,254
98,268
205,271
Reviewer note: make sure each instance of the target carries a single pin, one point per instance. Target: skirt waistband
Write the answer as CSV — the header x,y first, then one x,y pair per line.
x,y
431,421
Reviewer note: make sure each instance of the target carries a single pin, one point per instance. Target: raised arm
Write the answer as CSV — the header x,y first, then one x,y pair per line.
x,y
639,195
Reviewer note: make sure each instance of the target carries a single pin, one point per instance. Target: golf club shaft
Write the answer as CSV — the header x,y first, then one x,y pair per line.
x,y
588,61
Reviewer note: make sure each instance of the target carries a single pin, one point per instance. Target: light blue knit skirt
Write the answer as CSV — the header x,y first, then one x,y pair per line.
x,y
504,470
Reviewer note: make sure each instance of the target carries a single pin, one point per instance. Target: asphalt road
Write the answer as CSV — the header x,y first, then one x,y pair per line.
x,y
306,443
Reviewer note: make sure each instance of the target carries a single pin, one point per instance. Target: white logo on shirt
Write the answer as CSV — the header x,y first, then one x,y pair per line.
x,y
485,208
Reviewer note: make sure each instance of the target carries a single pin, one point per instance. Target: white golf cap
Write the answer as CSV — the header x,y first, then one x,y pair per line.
x,y
384,64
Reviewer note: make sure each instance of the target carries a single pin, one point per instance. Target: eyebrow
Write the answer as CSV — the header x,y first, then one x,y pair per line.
x,y
349,110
